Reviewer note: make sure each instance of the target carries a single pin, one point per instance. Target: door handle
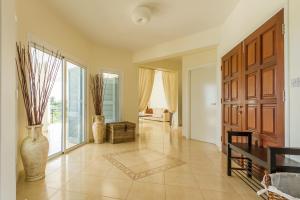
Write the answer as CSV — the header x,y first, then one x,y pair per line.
x,y
240,108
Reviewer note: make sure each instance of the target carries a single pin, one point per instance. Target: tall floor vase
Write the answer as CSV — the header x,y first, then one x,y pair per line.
x,y
34,153
98,129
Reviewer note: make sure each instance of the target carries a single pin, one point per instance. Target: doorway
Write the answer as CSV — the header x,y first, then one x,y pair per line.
x,y
64,118
203,93
111,103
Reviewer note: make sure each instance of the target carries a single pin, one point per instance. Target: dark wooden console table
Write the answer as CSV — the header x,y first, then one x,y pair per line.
x,y
252,157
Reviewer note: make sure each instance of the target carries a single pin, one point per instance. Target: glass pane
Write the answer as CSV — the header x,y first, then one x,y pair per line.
x,y
74,105
53,118
111,97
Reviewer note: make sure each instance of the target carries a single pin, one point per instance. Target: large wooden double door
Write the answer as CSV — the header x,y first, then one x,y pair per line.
x,y
253,85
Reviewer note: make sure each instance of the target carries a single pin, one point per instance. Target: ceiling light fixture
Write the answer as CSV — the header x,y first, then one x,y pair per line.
x,y
141,15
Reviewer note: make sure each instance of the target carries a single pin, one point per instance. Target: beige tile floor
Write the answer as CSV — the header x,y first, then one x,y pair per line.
x,y
85,173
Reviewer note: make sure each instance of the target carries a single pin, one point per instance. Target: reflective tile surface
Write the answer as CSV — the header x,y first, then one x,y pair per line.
x,y
163,164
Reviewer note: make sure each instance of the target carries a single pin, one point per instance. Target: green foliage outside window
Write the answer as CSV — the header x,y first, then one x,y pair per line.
x,y
55,110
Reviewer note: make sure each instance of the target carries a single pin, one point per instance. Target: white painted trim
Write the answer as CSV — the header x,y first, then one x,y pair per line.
x,y
186,108
286,77
8,101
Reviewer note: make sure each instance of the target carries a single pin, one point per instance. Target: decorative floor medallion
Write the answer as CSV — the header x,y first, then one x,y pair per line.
x,y
140,163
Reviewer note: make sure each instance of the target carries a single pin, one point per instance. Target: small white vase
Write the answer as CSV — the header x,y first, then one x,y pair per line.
x,y
98,129
34,153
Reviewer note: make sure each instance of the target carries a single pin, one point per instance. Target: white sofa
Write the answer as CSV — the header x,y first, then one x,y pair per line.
x,y
158,115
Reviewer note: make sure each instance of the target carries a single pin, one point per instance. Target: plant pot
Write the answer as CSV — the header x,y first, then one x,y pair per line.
x,y
98,129
34,153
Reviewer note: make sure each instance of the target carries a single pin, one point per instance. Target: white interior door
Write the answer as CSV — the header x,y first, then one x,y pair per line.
x,y
203,91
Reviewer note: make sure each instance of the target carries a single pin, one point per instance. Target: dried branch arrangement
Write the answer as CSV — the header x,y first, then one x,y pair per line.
x,y
97,88
37,72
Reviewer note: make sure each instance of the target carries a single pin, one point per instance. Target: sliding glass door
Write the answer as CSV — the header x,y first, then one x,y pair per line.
x,y
64,118
75,113
53,117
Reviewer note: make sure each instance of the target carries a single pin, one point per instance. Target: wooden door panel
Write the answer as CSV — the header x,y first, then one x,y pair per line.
x,y
251,118
234,64
268,84
226,91
226,114
235,90
268,45
264,78
268,119
252,53
232,92
253,85
226,69
234,115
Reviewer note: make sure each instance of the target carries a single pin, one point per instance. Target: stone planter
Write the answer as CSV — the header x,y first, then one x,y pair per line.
x,y
34,153
98,129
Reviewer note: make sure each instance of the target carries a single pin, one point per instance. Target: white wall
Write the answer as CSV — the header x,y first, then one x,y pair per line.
x,y
177,47
8,101
294,69
37,21
204,58
203,103
121,62
244,19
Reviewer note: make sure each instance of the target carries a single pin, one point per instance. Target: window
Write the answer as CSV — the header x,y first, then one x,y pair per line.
x,y
111,97
158,98
74,104
64,118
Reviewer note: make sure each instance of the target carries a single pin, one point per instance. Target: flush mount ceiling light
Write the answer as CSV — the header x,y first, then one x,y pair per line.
x,y
141,15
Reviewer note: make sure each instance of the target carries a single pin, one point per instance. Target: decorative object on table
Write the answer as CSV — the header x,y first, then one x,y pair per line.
x,y
37,72
281,186
148,110
97,88
166,115
119,132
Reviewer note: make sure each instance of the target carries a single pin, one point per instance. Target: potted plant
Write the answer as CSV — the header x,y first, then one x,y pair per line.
x,y
36,73
96,87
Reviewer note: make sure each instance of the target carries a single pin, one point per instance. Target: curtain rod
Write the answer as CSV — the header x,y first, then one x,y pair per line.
x,y
43,48
158,69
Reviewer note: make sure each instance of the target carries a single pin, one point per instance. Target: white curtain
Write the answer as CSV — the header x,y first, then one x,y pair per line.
x,y
171,91
146,79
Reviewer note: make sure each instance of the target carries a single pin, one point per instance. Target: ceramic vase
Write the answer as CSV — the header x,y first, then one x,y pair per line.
x,y
34,153
98,129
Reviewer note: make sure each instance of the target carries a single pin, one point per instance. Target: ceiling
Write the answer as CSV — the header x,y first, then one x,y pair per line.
x,y
108,22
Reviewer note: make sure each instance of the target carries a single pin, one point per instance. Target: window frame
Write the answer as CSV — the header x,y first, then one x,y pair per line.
x,y
65,59
120,74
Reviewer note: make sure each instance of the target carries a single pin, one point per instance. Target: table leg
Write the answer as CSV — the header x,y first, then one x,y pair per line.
x,y
228,160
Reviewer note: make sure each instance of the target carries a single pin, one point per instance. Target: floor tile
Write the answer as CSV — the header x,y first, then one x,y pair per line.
x,y
146,191
86,174
214,182
180,179
217,195
183,193
65,195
